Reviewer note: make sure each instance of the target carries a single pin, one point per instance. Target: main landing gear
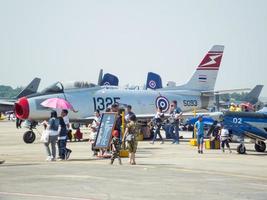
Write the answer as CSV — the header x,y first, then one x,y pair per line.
x,y
260,146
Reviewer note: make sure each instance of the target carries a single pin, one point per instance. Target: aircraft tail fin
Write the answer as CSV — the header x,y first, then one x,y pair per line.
x,y
153,81
205,76
253,95
100,77
30,89
110,79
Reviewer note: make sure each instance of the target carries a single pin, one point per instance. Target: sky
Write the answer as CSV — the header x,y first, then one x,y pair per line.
x,y
72,40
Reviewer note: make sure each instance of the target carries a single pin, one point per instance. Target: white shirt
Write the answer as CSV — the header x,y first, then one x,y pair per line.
x,y
96,122
159,115
224,133
66,121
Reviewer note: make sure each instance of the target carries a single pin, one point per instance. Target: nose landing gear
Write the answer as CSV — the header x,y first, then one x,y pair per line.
x,y
29,136
241,149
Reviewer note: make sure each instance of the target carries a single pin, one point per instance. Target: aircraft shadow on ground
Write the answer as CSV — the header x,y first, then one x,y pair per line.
x,y
257,153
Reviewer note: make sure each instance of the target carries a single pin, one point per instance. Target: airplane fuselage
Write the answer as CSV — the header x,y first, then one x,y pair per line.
x,y
144,102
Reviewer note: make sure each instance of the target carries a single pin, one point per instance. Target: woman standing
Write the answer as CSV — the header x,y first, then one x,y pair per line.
x,y
52,127
131,138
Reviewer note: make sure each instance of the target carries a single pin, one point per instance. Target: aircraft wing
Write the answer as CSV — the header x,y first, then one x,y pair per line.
x,y
6,103
220,92
6,106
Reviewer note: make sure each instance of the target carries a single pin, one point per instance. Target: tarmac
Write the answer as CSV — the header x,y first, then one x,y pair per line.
x,y
163,171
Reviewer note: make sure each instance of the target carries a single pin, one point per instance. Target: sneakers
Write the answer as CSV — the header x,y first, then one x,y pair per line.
x,y
200,151
68,154
48,158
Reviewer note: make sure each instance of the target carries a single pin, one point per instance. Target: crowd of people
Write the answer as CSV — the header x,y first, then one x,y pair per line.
x,y
57,129
170,125
119,141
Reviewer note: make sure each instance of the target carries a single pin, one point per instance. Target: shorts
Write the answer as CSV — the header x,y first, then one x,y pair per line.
x,y
132,146
200,139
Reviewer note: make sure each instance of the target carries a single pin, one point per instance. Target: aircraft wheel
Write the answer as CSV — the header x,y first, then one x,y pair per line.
x,y
241,149
260,146
29,137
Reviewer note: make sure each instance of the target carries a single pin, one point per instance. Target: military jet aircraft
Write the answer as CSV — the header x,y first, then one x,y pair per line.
x,y
251,125
247,124
8,104
86,98
251,98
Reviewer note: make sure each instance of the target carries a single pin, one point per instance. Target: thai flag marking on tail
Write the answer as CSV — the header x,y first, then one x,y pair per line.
x,y
202,78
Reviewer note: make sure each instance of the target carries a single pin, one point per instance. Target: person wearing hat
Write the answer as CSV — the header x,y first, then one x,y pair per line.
x,y
199,126
115,147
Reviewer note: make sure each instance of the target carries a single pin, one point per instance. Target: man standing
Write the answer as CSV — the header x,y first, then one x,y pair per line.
x,y
175,114
199,126
64,115
129,112
118,123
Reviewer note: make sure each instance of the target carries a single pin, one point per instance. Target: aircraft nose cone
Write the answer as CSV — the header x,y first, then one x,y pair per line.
x,y
22,108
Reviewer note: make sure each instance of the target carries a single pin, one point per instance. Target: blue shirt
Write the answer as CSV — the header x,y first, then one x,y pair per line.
x,y
200,128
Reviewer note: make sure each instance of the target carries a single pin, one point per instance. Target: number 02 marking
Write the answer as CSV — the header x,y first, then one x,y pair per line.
x,y
237,120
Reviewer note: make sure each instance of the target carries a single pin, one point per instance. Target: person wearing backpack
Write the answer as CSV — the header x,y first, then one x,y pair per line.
x,y
52,127
130,137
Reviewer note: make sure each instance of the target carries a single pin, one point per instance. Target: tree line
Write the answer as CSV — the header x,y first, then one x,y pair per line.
x,y
9,92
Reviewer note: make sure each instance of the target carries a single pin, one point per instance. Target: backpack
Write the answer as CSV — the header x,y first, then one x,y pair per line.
x,y
54,124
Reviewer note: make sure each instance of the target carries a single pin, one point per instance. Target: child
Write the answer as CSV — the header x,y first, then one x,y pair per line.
x,y
115,147
225,139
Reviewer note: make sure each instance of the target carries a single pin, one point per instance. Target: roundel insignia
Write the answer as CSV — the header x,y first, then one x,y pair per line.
x,y
163,102
107,83
152,84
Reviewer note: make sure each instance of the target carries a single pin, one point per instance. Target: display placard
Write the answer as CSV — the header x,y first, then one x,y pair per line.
x,y
104,133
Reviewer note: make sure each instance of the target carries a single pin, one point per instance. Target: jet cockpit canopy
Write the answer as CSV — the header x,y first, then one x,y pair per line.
x,y
59,87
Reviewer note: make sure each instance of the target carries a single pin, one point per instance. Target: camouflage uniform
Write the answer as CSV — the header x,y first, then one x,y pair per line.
x,y
116,150
132,145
